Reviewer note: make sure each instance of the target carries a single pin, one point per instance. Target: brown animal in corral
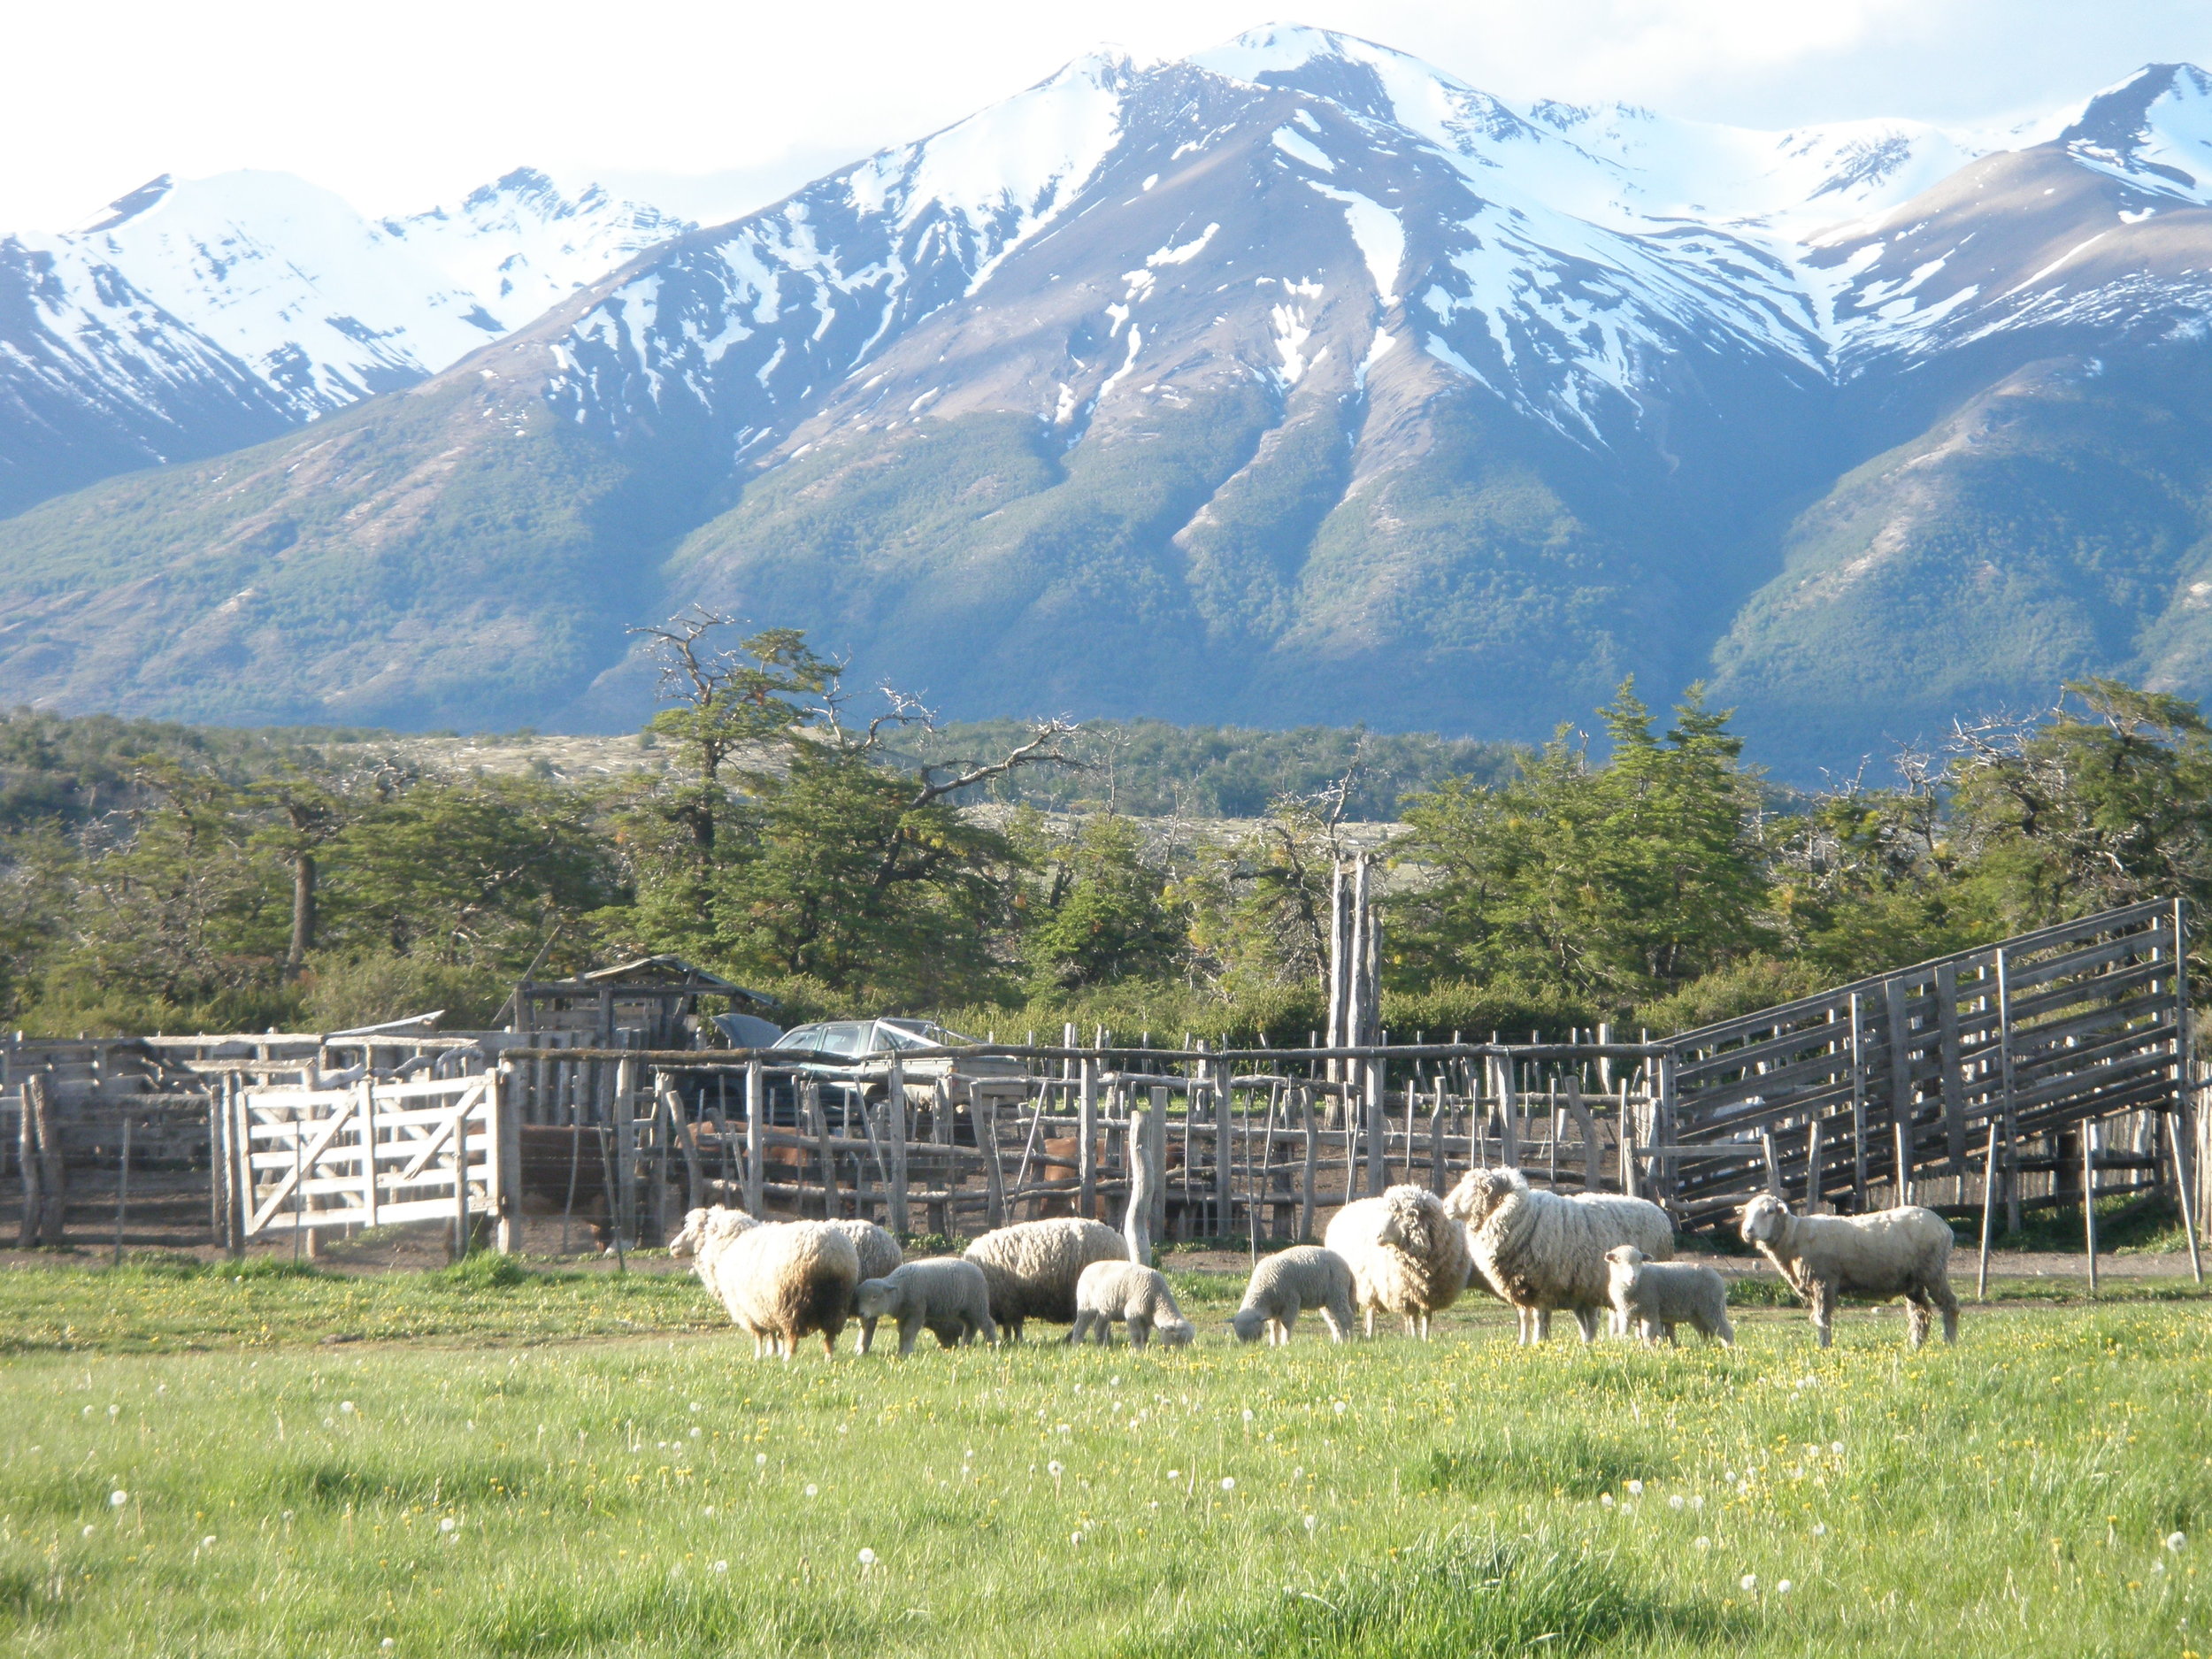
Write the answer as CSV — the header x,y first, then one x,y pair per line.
x,y
553,1154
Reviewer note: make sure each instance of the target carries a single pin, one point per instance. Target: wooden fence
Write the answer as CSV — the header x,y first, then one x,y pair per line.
x,y
2049,1068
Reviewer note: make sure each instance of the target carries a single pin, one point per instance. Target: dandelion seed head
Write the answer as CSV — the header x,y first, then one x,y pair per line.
x,y
1748,1582
1820,1529
345,1408
812,1490
721,1566
1075,1537
760,1460
447,1525
867,1557
1783,1587
1228,1483
1676,1501
118,1498
1635,1488
208,1542
2175,1540
1703,1542
1312,1521
1053,1469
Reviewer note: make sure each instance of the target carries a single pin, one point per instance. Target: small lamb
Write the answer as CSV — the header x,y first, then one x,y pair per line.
x,y
1109,1291
1651,1298
949,1296
1284,1285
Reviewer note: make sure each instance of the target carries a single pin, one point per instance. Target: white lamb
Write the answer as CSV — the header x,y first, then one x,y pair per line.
x,y
1033,1267
1111,1291
1651,1298
783,1280
1285,1285
1542,1251
948,1297
1406,1256
1902,1252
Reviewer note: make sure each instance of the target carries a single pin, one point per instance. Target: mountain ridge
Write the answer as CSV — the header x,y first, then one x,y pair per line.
x,y
1294,381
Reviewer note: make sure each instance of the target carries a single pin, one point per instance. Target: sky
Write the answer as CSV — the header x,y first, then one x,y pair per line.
x,y
711,109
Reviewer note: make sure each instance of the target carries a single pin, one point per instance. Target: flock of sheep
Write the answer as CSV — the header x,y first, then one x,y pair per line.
x,y
1406,1253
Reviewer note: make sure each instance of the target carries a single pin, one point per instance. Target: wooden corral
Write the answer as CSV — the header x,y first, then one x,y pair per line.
x,y
2056,1066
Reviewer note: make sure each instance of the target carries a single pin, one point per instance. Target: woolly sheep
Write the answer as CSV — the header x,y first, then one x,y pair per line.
x,y
949,1296
1902,1252
786,1279
1110,1291
1284,1285
1033,1267
1406,1256
1541,1250
1651,1297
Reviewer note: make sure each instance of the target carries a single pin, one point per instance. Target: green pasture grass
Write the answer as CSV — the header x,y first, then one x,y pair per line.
x,y
480,1490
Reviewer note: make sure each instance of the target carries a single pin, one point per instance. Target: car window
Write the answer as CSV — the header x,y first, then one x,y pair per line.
x,y
799,1037
842,1037
902,1034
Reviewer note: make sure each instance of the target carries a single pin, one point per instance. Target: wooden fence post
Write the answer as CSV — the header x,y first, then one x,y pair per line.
x,y
122,1186
1508,1131
2006,1085
622,1118
756,1151
1585,1125
894,1135
1812,1168
1436,1139
2089,1197
1378,1118
812,1112
1310,1172
1989,1190
27,1162
1144,1176
238,1145
983,1113
1225,1151
506,1104
1086,1136
1157,1139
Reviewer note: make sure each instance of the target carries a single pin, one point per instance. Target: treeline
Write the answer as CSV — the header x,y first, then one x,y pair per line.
x,y
832,861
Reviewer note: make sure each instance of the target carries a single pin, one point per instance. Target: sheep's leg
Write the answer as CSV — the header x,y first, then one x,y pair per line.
x,y
910,1333
1918,1317
1370,1319
1080,1329
1824,1299
1140,1329
867,1336
1940,1292
1586,1321
829,1345
1340,1323
1724,1333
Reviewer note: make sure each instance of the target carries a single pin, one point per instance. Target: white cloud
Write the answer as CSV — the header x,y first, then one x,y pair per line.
x,y
405,102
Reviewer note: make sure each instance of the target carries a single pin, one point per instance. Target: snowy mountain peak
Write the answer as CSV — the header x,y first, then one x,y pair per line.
x,y
2153,129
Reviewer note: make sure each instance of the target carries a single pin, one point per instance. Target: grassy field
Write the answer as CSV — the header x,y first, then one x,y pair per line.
x,y
188,1467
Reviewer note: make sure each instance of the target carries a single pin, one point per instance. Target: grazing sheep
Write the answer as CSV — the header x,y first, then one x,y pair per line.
x,y
1033,1267
1109,1291
1652,1297
950,1296
1902,1252
782,1280
1284,1285
1542,1251
1406,1256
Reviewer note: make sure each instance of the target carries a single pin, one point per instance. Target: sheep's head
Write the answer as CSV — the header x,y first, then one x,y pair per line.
x,y
874,1298
694,1234
1627,1255
1405,1222
1174,1332
1248,1323
1764,1219
1480,1192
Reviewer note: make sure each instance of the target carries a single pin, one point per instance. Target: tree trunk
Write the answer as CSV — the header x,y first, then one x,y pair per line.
x,y
303,914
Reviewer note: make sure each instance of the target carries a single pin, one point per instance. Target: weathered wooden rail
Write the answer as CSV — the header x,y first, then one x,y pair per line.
x,y
2047,1068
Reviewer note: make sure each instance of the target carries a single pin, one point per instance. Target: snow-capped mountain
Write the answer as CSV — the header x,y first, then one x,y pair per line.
x,y
194,315
1296,380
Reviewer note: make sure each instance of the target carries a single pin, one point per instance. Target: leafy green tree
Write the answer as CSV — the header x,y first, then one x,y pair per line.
x,y
2105,802
469,872
1100,911
1610,883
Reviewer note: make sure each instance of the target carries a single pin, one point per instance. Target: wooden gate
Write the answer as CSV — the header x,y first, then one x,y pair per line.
x,y
372,1155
